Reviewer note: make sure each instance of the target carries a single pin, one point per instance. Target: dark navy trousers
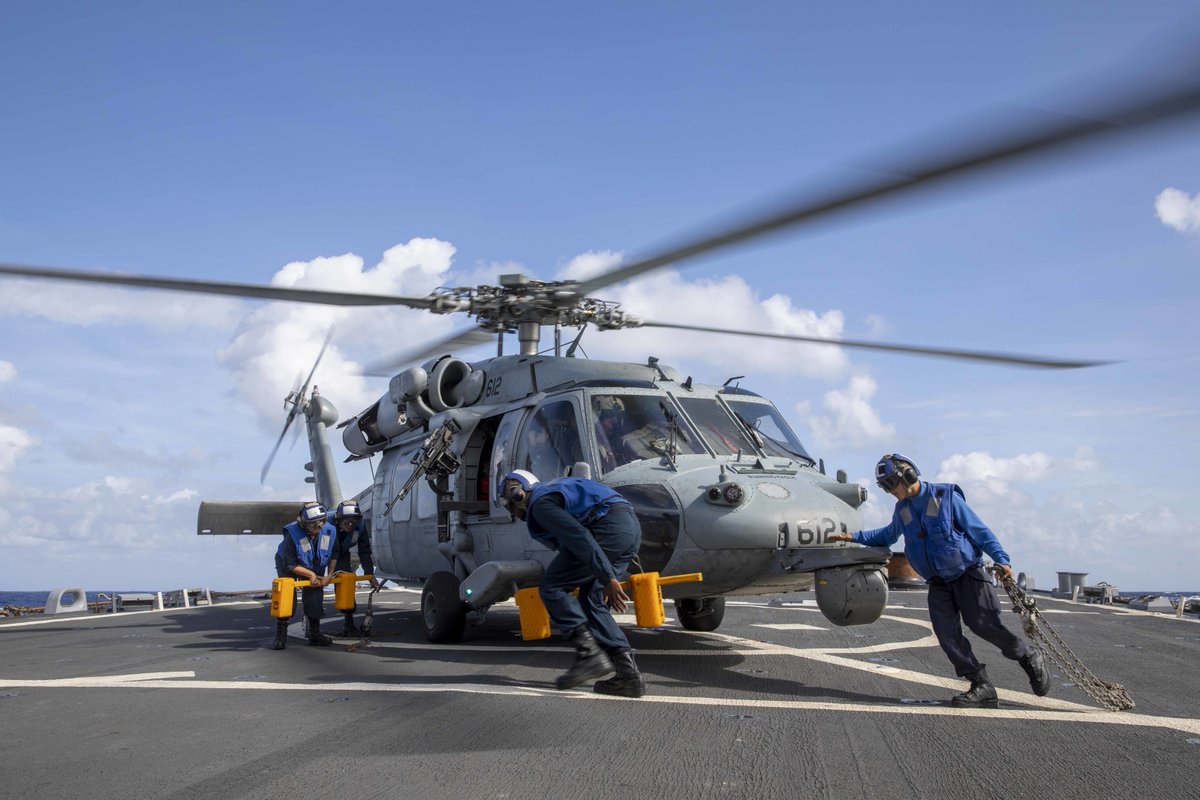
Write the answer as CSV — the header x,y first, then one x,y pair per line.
x,y
312,598
618,535
971,599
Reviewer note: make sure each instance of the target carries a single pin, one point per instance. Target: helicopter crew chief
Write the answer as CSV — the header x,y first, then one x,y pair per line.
x,y
308,550
596,535
351,532
944,541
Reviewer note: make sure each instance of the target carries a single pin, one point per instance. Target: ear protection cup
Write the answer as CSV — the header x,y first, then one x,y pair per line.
x,y
894,466
515,494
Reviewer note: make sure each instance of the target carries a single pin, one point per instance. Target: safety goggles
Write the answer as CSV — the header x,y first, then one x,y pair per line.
x,y
887,480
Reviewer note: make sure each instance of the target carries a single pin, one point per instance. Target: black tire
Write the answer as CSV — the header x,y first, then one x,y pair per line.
x,y
443,614
700,613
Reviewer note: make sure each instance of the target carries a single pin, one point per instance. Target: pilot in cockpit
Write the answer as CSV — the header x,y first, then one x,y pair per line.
x,y
610,430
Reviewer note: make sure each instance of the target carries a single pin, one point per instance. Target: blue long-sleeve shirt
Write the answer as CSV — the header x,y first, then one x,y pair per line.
x,y
966,521
563,532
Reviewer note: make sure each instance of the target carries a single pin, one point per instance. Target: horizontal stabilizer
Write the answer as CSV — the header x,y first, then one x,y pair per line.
x,y
245,517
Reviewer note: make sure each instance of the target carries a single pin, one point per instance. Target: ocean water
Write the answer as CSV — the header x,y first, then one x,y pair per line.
x,y
38,599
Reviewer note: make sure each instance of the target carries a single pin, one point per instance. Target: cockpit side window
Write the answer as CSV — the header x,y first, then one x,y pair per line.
x,y
631,427
772,429
722,433
550,443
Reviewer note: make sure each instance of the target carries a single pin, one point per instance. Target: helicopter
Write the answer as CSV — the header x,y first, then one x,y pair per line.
x,y
719,481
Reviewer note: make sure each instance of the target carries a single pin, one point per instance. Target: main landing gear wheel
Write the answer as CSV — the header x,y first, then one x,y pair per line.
x,y
700,613
442,613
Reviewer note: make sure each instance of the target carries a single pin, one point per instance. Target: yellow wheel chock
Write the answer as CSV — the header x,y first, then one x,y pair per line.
x,y
283,593
645,590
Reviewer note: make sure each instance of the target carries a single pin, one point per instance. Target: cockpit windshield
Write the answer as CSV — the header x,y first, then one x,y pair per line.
x,y
631,427
772,429
722,433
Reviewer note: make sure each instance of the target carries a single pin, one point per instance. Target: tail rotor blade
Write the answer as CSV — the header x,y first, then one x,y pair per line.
x,y
313,371
262,478
296,398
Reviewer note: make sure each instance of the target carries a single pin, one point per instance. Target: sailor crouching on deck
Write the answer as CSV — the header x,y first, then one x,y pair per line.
x,y
596,535
351,533
308,549
944,541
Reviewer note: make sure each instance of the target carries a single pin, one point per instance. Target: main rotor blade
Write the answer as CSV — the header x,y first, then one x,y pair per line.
x,y
1034,136
388,367
318,296
940,352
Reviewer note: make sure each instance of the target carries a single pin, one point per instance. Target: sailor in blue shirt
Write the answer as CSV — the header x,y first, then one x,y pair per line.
x,y
596,535
308,550
352,533
944,541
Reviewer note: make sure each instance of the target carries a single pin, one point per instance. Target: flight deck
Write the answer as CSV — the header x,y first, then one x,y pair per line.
x,y
778,703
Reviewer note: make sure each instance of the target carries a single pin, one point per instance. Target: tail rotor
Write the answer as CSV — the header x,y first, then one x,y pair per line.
x,y
295,399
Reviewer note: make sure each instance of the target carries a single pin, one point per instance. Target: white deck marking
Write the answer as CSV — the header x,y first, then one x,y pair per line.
x,y
788,626
851,657
122,614
142,681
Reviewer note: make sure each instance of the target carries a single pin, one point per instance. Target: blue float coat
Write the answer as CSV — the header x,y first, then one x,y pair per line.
x,y
559,515
943,537
297,549
360,537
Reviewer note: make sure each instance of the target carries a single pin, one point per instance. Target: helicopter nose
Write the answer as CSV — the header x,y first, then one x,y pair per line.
x,y
748,511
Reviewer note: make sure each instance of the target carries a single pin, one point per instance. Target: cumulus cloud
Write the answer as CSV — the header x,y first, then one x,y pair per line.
x,y
589,264
1176,209
728,302
995,476
91,305
278,342
7,372
13,442
850,418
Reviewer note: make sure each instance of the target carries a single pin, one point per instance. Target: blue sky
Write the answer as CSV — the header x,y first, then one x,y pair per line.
x,y
397,148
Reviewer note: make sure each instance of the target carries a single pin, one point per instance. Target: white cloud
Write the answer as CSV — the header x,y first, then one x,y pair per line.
x,y
878,326
277,343
728,302
8,372
984,472
90,305
1177,210
589,264
851,419
13,442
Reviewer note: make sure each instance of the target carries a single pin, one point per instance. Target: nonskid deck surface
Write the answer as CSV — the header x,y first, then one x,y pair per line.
x,y
777,703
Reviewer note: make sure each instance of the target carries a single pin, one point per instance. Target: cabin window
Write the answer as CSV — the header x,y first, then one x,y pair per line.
x,y
777,438
632,427
401,510
426,499
550,443
720,431
502,461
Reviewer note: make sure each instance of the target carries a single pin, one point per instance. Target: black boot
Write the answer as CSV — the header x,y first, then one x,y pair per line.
x,y
314,633
281,626
627,682
1034,664
348,628
981,694
590,660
